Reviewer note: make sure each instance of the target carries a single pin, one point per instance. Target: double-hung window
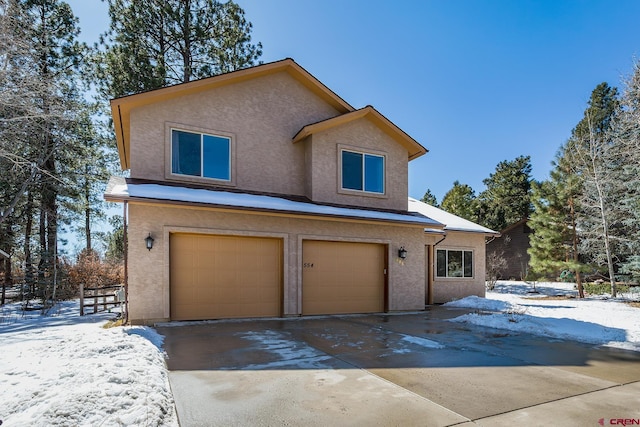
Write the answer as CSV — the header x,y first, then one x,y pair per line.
x,y
362,172
454,263
200,155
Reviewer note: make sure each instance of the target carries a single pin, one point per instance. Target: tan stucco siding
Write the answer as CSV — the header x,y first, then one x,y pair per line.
x,y
149,270
449,289
324,150
261,116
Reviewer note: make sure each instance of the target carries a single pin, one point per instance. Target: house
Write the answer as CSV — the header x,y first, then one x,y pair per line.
x,y
512,245
262,193
457,257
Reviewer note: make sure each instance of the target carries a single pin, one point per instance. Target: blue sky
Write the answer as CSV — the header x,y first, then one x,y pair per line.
x,y
475,82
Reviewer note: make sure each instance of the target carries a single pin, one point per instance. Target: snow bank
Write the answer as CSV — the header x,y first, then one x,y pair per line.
x,y
511,306
63,369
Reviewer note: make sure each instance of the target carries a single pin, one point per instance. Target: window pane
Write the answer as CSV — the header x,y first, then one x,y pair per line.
x,y
215,163
454,266
351,170
441,263
374,173
185,148
468,264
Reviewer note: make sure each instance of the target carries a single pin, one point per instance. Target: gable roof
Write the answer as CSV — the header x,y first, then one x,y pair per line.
x,y
413,147
121,107
516,224
452,222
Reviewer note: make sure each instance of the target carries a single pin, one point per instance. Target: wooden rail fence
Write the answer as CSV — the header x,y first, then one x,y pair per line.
x,y
101,299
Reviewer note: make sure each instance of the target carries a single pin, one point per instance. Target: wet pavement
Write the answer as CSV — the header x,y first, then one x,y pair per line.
x,y
398,369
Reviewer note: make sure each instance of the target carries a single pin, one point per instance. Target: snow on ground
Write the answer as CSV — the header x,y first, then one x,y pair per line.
x,y
595,319
65,370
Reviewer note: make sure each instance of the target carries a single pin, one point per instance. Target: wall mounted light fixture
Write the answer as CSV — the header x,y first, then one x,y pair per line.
x,y
149,241
402,252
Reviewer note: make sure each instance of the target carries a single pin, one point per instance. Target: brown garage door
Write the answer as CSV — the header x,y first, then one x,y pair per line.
x,y
342,277
216,277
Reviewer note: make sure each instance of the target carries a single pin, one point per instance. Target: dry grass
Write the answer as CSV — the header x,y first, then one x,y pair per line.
x,y
635,304
114,323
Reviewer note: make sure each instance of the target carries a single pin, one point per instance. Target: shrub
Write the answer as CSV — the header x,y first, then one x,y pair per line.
x,y
92,272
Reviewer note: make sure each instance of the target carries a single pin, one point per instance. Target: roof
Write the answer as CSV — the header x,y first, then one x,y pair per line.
x,y
120,190
121,107
413,147
452,222
516,224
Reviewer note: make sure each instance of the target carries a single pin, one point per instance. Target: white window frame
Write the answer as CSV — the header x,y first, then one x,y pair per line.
x,y
463,250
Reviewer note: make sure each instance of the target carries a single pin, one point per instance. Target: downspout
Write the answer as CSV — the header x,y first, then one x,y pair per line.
x,y
431,270
125,252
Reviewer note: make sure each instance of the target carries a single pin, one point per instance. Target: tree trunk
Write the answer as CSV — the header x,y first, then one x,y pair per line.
x,y
28,261
576,257
87,210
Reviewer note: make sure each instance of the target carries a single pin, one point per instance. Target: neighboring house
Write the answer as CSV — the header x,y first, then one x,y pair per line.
x,y
262,193
512,245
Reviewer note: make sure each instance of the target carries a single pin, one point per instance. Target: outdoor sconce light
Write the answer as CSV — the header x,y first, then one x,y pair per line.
x,y
402,252
149,241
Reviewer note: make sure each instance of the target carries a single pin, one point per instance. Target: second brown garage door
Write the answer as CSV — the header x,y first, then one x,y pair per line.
x,y
215,277
342,277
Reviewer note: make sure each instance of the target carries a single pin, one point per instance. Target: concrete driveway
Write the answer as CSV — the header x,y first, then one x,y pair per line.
x,y
392,370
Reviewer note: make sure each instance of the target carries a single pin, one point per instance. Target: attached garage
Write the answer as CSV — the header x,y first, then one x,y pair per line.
x,y
343,277
213,277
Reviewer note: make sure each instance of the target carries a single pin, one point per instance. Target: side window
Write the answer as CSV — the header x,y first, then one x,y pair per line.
x,y
362,172
200,155
452,263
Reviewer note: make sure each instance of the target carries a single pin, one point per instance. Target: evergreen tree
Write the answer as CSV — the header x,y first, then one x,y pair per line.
x,y
429,198
626,133
155,43
554,241
461,201
593,156
507,198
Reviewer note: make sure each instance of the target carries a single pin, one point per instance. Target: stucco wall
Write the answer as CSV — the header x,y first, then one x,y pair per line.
x,y
323,150
261,115
149,270
449,289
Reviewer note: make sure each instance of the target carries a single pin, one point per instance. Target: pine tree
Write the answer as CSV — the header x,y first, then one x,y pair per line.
x,y
155,43
507,198
429,198
461,201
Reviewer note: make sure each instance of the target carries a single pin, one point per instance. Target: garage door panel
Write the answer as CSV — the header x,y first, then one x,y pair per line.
x,y
224,276
342,277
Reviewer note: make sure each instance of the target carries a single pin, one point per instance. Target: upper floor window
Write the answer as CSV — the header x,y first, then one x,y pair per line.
x,y
200,155
362,172
454,263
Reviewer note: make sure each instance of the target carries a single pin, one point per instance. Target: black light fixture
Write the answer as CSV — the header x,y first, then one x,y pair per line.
x,y
402,252
149,241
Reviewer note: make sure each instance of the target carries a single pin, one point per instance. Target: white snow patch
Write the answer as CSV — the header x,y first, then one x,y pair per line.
x,y
244,200
63,369
422,342
290,353
592,320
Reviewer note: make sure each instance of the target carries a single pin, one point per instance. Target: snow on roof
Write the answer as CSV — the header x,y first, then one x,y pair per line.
x,y
122,190
451,221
